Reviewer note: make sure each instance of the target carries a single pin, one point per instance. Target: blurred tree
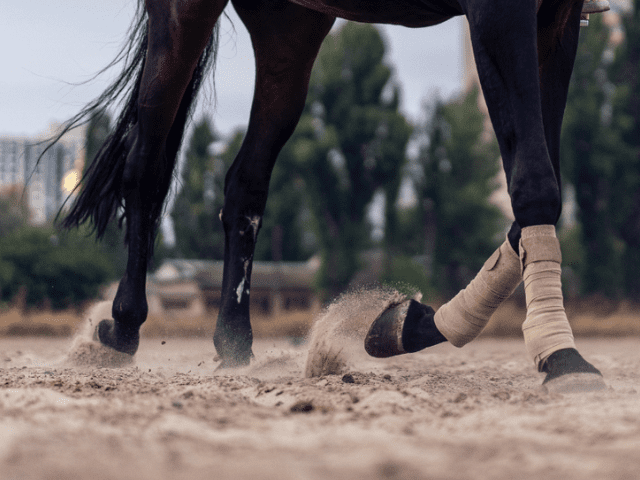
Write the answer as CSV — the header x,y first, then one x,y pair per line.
x,y
282,235
625,119
455,174
195,212
349,145
199,231
600,162
14,212
54,269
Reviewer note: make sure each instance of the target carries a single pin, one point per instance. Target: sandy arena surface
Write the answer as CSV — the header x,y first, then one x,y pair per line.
x,y
478,412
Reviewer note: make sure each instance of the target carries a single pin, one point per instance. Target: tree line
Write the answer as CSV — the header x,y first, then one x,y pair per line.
x,y
347,155
429,184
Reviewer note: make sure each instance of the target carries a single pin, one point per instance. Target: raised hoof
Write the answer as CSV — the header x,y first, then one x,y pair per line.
x,y
384,338
106,334
595,6
568,372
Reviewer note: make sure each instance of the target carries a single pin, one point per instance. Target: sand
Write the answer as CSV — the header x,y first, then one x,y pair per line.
x,y
473,413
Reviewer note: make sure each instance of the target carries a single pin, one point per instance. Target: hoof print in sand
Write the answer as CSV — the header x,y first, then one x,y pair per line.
x,y
94,354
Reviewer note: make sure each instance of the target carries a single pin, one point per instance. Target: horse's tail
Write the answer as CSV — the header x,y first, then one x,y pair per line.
x,y
101,193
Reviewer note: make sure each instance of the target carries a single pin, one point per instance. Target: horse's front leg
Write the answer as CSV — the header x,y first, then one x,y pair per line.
x,y
527,117
286,39
525,66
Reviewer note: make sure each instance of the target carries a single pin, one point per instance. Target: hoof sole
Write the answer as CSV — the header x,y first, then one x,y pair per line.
x,y
384,338
576,383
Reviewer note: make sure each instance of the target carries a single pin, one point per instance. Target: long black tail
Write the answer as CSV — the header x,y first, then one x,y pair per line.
x,y
101,196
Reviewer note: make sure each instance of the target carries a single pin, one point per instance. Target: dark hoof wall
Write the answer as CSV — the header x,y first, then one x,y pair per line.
x,y
107,335
385,334
568,372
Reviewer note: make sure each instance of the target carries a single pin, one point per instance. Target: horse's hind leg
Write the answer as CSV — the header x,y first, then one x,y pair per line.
x,y
286,39
177,35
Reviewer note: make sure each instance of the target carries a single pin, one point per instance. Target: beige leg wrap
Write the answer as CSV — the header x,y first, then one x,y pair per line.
x,y
546,328
463,318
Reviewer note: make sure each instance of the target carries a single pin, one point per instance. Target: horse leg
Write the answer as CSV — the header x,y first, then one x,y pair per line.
x,y
565,367
411,326
177,35
527,118
286,39
524,67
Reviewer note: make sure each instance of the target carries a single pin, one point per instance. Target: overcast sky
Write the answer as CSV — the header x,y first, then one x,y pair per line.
x,y
48,45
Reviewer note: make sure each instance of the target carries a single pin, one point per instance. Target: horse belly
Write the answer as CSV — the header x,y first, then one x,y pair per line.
x,y
409,13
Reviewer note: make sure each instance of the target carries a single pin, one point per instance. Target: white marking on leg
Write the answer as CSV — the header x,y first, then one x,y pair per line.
x,y
239,290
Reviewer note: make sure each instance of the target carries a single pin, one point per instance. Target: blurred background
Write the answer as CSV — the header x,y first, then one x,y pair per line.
x,y
392,177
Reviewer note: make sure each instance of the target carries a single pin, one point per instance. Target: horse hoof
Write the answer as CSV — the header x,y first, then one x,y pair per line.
x,y
384,338
568,372
106,334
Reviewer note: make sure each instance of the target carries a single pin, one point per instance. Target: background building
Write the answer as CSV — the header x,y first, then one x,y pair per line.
x,y
46,183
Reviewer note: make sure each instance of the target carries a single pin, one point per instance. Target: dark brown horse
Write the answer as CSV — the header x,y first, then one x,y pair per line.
x,y
524,53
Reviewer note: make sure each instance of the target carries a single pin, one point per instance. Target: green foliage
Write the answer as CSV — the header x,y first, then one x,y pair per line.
x,y
199,231
350,144
14,212
54,269
197,226
601,157
409,276
457,171
285,221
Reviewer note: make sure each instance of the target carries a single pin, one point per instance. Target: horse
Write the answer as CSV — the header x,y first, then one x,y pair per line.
x,y
524,54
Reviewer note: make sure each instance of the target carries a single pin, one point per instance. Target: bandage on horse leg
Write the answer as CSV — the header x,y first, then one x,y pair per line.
x,y
546,328
547,333
465,316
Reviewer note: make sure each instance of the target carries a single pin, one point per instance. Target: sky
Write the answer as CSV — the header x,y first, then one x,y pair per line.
x,y
48,48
